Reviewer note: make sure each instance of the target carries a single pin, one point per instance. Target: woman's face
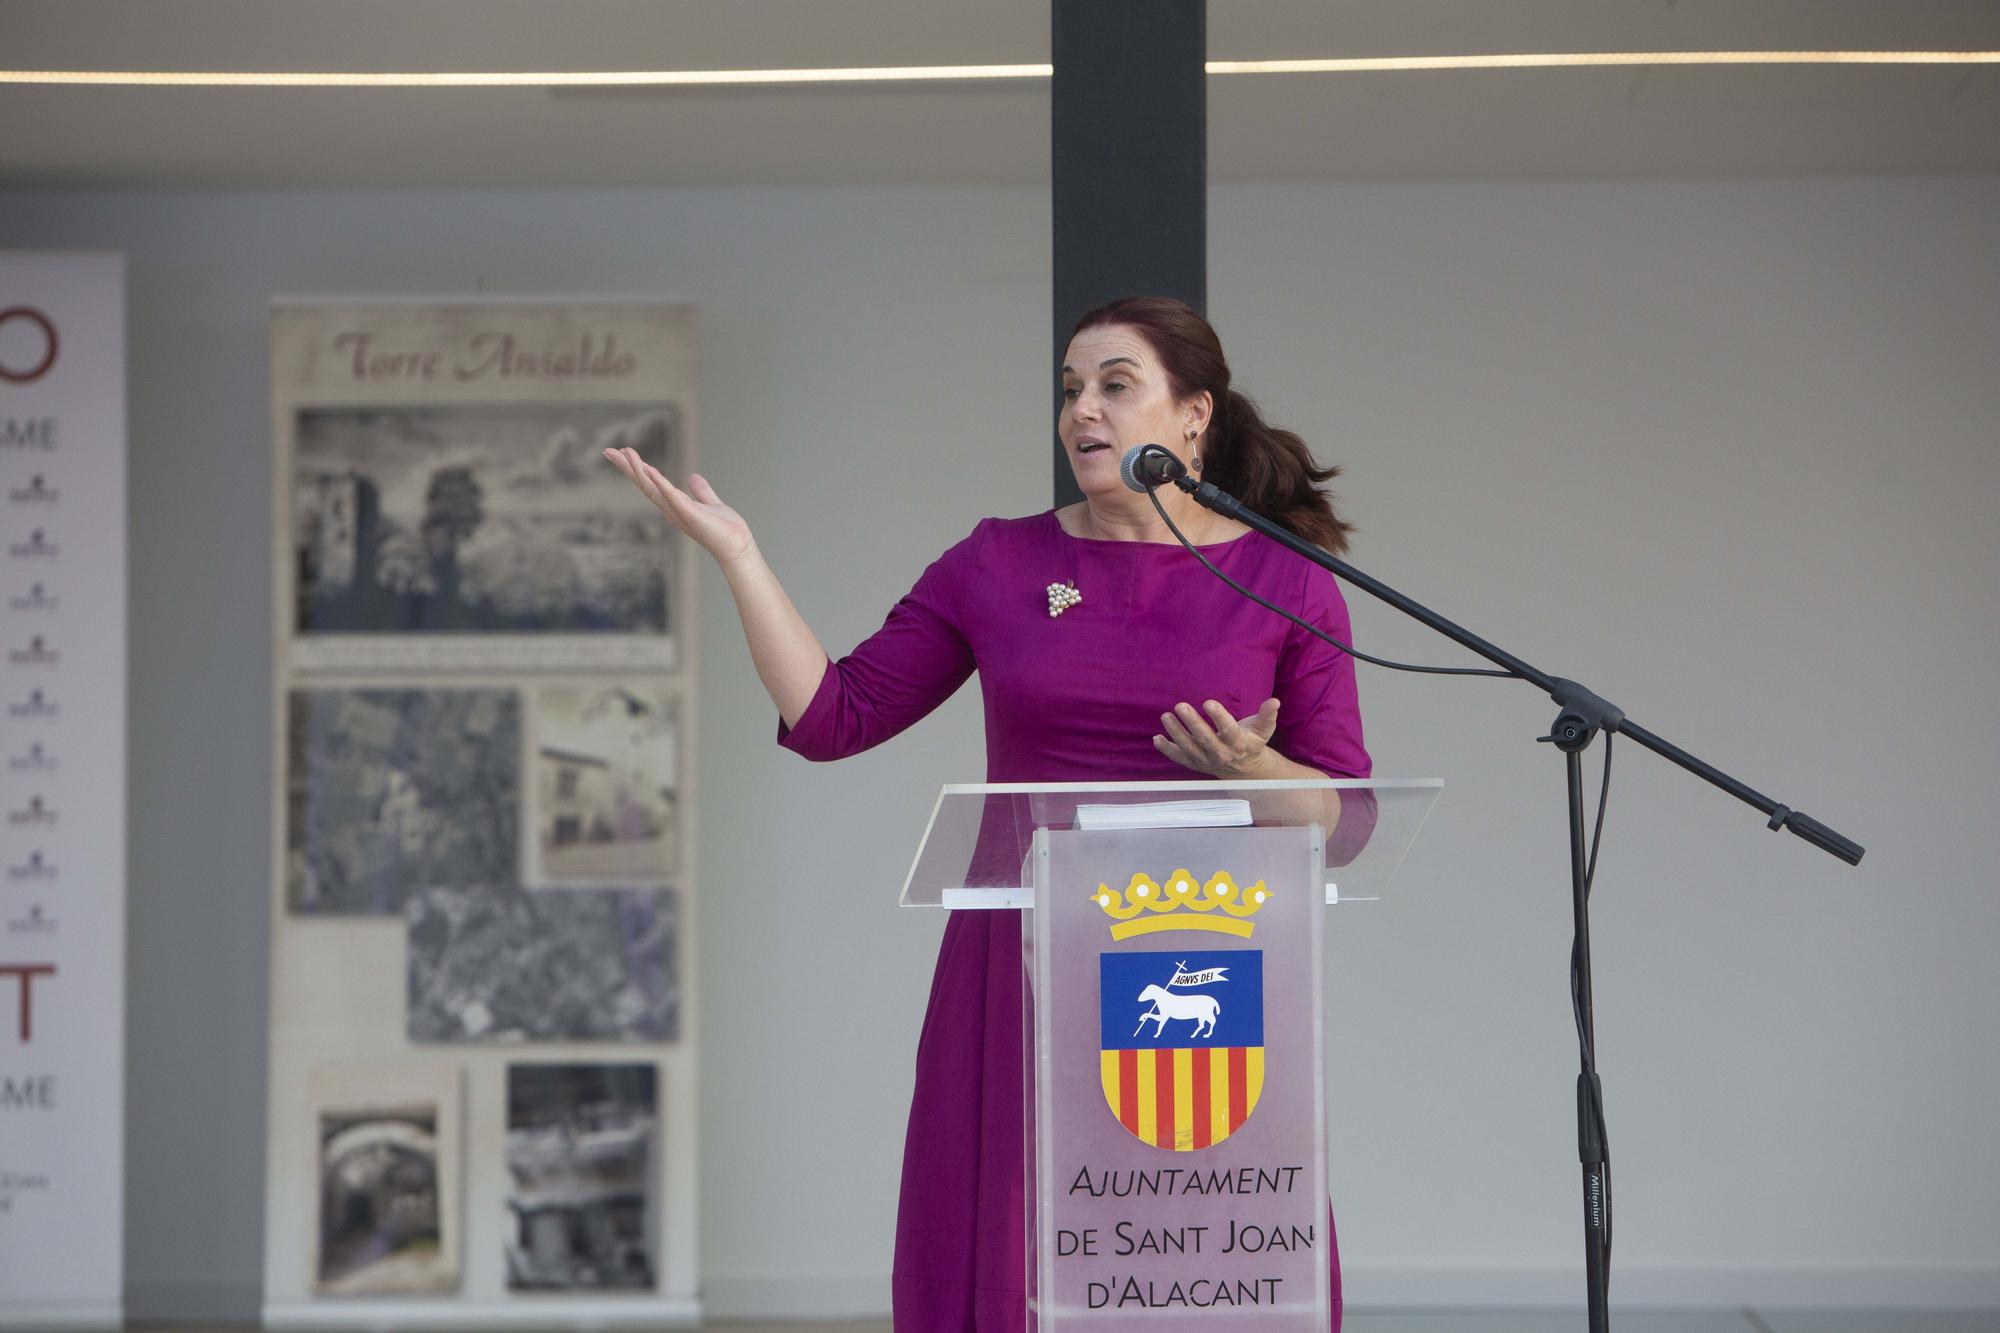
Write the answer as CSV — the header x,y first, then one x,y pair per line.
x,y
1115,397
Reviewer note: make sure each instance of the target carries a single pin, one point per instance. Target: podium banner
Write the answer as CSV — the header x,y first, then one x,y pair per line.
x,y
1181,1146
62,843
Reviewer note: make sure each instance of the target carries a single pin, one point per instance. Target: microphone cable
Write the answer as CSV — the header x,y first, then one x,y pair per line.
x,y
1152,493
1585,1046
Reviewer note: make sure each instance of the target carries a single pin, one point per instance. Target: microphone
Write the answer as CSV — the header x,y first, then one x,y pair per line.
x,y
1147,466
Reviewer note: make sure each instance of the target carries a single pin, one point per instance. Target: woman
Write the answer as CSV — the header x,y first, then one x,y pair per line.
x,y
1153,668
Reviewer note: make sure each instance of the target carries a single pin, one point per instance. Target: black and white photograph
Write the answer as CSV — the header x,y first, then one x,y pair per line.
x,y
479,519
387,1148
604,787
388,791
500,964
582,1152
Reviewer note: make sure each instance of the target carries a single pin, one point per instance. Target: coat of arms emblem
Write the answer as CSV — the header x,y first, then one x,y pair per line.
x,y
1181,1041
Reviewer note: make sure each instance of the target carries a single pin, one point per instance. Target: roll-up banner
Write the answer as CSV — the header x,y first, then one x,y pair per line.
x,y
62,789
481,1096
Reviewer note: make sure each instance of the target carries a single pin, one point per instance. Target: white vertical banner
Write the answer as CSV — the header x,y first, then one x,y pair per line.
x,y
62,789
482,1098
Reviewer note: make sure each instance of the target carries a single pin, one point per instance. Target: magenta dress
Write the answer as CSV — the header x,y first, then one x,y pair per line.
x,y
1074,698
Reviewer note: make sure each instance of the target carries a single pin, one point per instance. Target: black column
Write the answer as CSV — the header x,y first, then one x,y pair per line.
x,y
1129,162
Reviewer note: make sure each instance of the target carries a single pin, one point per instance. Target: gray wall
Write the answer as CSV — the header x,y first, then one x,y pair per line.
x,y
1722,449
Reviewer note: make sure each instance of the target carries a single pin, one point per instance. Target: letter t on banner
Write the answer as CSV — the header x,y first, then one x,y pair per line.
x,y
27,972
1128,117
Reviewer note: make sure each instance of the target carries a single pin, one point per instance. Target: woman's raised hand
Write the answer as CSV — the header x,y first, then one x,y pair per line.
x,y
697,511
785,651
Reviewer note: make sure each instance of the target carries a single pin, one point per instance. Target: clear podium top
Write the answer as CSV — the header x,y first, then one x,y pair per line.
x,y
975,850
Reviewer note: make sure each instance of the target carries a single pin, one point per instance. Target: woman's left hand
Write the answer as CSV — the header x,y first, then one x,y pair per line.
x,y
1231,748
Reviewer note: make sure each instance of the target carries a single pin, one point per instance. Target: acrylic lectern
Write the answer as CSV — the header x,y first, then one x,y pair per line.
x,y
1174,1064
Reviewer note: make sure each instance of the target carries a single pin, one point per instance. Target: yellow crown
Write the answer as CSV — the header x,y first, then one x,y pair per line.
x,y
1168,907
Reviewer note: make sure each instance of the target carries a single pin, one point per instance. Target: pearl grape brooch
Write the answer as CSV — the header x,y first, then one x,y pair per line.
x,y
1062,596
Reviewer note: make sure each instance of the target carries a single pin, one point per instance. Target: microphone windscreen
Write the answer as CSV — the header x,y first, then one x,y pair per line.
x,y
1146,466
1128,468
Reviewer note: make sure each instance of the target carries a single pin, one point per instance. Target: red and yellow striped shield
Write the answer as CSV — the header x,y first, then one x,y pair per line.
x,y
1183,1098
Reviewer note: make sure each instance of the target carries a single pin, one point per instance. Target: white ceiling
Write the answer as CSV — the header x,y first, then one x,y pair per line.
x,y
1558,122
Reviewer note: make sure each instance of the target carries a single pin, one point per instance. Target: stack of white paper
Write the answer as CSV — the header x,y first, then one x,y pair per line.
x,y
1164,814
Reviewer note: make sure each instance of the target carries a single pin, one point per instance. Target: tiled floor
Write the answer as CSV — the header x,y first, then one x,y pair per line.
x,y
1512,1321
1560,1321
1677,1321
1563,1321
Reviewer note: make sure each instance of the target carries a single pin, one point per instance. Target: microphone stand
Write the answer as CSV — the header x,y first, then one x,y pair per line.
x,y
1583,714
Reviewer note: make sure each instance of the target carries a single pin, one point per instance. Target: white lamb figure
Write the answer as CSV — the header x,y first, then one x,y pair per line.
x,y
1201,1009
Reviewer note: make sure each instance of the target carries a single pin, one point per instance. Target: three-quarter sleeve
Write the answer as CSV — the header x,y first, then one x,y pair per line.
x,y
1319,711
897,675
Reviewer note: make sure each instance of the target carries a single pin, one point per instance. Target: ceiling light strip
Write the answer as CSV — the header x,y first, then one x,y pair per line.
x,y
695,78
725,78
1370,64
